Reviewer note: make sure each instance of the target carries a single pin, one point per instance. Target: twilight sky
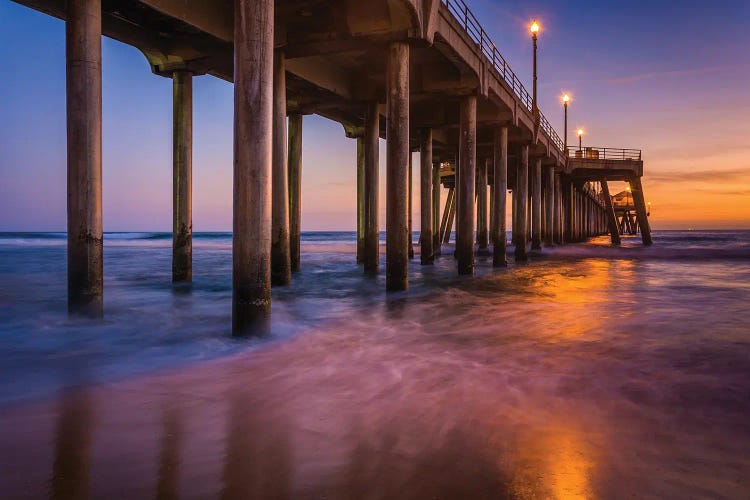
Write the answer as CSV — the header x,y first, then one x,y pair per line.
x,y
670,77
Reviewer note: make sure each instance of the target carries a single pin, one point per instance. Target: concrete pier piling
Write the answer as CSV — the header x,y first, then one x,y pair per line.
x,y
360,199
253,139
499,196
436,209
426,251
295,189
281,266
83,31
182,176
558,208
640,209
536,204
522,186
465,183
371,158
410,200
481,182
397,178
549,205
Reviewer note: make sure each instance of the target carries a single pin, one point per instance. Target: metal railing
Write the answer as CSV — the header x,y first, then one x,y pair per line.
x,y
487,47
594,153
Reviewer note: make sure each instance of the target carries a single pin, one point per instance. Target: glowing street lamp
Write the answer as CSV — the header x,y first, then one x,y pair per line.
x,y
534,29
580,139
566,99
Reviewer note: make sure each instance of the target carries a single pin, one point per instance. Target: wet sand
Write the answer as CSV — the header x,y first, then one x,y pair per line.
x,y
565,378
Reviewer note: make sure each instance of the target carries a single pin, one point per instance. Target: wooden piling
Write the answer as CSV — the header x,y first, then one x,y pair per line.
x,y
371,160
426,252
465,185
253,140
397,178
295,189
83,31
500,183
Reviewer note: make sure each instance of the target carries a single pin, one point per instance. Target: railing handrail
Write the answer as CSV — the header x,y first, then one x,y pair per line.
x,y
463,15
600,153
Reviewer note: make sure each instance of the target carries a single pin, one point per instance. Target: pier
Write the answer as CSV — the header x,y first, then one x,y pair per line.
x,y
421,74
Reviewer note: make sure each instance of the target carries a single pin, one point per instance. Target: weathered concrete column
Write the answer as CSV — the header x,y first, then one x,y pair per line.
x,y
253,140
360,200
536,204
465,185
426,252
549,205
83,32
182,176
436,209
500,183
397,177
640,209
281,266
522,186
295,188
411,204
371,153
482,236
558,216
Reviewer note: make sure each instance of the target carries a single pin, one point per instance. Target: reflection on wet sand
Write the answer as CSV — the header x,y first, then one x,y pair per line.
x,y
169,456
73,436
518,386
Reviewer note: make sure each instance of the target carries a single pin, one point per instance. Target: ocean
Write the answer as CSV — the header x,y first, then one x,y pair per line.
x,y
589,372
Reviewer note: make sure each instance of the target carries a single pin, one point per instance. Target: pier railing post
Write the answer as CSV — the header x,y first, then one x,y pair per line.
x,y
253,144
522,195
182,176
397,178
500,182
640,209
536,207
465,185
426,251
83,31
281,268
295,189
371,161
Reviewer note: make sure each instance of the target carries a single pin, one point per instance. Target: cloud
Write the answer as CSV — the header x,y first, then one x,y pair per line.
x,y
721,176
737,192
666,74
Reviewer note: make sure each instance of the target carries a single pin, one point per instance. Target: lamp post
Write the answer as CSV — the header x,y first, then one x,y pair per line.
x,y
566,99
580,140
534,28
